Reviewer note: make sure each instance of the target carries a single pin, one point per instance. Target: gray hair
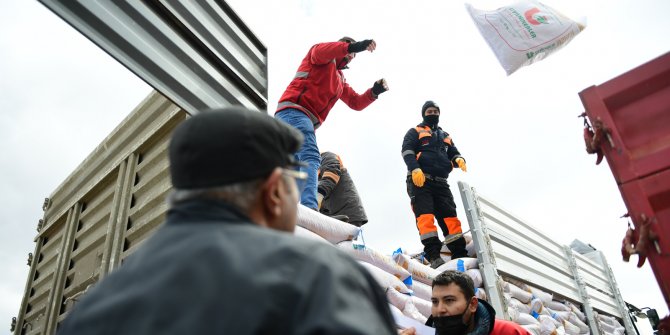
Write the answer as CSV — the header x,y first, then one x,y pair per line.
x,y
241,195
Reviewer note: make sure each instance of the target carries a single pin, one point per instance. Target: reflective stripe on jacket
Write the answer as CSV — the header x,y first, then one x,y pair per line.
x,y
318,84
339,191
432,150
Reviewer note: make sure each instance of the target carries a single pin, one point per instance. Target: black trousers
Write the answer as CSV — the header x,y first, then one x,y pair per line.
x,y
431,202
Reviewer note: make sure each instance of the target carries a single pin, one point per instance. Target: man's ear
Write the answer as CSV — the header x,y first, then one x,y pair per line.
x,y
271,194
472,306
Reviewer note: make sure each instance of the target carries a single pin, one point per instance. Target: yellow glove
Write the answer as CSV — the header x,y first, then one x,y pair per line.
x,y
418,178
461,164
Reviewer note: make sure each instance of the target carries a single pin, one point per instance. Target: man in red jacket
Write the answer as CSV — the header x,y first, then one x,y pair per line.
x,y
313,92
456,310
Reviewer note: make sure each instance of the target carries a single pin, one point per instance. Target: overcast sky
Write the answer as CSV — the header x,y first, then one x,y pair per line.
x,y
60,96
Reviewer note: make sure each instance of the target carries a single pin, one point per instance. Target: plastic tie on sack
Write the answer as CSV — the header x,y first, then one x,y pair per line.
x,y
554,315
408,281
359,242
396,252
460,265
534,314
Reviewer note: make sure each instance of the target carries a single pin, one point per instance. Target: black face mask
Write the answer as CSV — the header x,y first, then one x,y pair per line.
x,y
452,325
431,119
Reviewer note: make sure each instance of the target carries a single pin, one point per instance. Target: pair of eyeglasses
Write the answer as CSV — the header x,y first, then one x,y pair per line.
x,y
300,177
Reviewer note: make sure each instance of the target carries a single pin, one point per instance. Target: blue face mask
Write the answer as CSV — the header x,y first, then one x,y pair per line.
x,y
452,325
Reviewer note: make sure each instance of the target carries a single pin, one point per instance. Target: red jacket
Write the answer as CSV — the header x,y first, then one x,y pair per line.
x,y
318,84
504,327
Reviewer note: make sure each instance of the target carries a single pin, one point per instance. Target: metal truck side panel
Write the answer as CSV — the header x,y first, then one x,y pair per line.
x,y
650,198
199,54
635,108
507,247
102,211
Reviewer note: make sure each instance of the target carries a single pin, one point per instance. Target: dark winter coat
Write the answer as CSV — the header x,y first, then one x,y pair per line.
x,y
339,191
432,150
210,270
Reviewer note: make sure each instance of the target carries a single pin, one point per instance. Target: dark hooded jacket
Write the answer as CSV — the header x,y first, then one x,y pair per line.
x,y
487,324
340,196
432,150
210,270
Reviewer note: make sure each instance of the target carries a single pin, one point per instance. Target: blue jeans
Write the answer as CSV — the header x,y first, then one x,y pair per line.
x,y
308,153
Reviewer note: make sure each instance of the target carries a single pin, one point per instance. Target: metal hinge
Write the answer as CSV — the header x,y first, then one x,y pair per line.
x,y
46,204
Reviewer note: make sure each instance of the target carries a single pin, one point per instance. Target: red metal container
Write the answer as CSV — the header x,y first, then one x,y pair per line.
x,y
630,118
635,109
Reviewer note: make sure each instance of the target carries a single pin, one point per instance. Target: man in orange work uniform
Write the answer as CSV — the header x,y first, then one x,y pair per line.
x,y
430,155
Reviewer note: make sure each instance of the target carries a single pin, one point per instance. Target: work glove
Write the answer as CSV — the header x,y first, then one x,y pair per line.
x,y
363,45
418,178
461,164
319,199
379,87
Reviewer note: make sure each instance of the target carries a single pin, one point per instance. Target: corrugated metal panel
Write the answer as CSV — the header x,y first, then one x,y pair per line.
x,y
508,247
524,252
116,194
199,54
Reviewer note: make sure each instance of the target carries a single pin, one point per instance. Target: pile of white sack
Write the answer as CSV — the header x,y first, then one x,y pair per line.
x,y
610,325
406,280
536,311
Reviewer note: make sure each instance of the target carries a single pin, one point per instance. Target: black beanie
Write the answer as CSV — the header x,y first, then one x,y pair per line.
x,y
229,145
426,105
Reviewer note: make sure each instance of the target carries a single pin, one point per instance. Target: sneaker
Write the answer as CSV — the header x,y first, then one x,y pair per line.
x,y
436,263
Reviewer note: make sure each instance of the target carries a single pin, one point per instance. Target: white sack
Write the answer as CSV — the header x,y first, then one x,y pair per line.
x,y
411,311
524,33
542,295
459,264
385,279
422,290
423,306
476,276
518,305
375,258
332,230
533,329
310,235
517,292
556,306
419,272
480,293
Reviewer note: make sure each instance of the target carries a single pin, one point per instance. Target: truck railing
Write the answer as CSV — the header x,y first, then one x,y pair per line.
x,y
507,247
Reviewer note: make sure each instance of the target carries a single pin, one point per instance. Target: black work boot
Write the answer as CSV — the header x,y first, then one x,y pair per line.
x,y
437,262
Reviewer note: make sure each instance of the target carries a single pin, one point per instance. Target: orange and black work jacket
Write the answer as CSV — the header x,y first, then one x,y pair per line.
x,y
340,196
432,150
318,84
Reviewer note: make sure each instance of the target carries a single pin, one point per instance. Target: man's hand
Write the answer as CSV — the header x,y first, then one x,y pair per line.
x,y
363,45
418,178
407,331
379,87
461,164
319,199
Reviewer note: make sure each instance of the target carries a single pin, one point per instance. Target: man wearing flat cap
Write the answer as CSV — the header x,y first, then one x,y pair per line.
x,y
225,261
